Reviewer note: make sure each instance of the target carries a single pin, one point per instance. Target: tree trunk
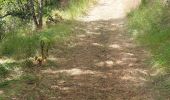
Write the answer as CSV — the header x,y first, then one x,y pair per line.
x,y
38,20
33,12
40,14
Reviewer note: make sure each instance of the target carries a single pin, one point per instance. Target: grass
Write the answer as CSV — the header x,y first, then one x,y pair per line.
x,y
13,87
75,8
153,31
13,48
151,23
21,45
25,43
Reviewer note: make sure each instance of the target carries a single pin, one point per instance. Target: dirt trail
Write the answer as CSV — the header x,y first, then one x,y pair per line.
x,y
111,9
102,62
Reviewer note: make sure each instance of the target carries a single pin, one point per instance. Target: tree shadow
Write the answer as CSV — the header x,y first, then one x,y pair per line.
x,y
103,63
100,62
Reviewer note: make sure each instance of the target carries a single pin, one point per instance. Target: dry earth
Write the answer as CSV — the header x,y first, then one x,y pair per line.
x,y
102,61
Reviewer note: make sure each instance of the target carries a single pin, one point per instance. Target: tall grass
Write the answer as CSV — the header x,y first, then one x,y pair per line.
x,y
151,22
76,8
20,45
25,43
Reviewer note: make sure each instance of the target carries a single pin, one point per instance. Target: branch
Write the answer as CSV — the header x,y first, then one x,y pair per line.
x,y
6,15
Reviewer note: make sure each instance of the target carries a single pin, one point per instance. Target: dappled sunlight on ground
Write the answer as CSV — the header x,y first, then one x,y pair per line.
x,y
115,46
105,64
74,71
97,44
2,61
1,92
135,75
102,63
110,9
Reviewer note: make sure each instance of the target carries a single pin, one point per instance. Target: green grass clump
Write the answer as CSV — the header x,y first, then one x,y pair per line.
x,y
146,17
18,45
76,8
24,45
151,22
3,71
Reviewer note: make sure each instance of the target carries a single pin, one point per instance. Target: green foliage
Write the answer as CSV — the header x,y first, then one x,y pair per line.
x,y
4,84
146,17
21,46
20,41
24,45
3,71
2,30
19,8
151,21
77,8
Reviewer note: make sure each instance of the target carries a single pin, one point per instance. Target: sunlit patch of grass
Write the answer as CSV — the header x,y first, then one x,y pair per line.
x,y
153,31
151,23
75,8
25,46
146,17
25,43
58,32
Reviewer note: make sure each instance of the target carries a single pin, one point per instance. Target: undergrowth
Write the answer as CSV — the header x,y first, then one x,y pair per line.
x,y
25,43
19,45
150,25
75,8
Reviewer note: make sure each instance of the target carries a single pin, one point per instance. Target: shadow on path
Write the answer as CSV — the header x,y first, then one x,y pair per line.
x,y
102,62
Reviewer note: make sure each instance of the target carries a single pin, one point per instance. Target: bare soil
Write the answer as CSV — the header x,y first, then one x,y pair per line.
x,y
102,61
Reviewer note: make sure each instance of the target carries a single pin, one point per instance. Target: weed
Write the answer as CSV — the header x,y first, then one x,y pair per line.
x,y
3,71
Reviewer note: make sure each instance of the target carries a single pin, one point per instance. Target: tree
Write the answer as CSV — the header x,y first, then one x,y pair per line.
x,y
38,19
25,9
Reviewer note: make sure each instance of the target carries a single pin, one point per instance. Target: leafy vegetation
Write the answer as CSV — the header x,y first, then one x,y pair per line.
x,y
73,11
151,25
24,24
150,21
21,45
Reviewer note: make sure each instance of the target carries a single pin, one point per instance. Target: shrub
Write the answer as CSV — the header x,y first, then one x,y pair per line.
x,y
3,71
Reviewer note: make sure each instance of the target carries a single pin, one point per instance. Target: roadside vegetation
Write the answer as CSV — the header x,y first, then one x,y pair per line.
x,y
150,25
26,34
